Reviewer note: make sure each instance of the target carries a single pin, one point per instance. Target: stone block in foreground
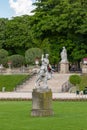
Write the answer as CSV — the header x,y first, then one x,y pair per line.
x,y
41,102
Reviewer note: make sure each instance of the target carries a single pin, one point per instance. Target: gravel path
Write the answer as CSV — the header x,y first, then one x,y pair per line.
x,y
28,95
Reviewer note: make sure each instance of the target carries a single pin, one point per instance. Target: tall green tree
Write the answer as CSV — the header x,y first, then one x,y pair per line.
x,y
63,23
55,23
18,35
3,22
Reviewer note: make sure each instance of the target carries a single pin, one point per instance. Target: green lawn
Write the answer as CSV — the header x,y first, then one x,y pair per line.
x,y
15,115
11,81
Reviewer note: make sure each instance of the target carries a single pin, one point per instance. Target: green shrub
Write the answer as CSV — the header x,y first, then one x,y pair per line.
x,y
32,54
3,57
75,79
16,60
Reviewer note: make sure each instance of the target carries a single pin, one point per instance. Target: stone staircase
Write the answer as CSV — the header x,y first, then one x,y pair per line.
x,y
55,83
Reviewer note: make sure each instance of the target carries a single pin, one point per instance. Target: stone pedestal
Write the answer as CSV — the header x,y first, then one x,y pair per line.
x,y
84,68
64,67
9,71
41,102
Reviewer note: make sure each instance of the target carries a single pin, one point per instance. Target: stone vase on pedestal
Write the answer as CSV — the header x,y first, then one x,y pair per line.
x,y
41,102
64,67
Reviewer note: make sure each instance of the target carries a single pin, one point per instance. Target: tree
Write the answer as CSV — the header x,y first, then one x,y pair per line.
x,y
16,60
32,54
3,57
18,35
3,22
62,21
55,23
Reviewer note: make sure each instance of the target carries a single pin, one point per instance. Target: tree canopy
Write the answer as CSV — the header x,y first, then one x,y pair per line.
x,y
55,23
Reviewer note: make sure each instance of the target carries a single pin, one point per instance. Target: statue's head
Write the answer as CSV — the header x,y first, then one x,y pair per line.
x,y
63,47
47,55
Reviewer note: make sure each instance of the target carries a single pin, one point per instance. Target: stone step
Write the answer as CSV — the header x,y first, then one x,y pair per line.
x,y
55,83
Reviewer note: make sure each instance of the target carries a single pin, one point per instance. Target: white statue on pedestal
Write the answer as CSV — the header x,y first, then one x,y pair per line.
x,y
64,55
44,74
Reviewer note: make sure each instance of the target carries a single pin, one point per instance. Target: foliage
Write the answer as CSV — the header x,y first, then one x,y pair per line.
x,y
79,81
32,54
67,116
11,81
3,53
75,79
55,23
62,21
16,60
3,57
17,35
3,22
83,82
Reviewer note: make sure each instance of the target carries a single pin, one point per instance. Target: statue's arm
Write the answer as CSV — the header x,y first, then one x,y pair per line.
x,y
42,57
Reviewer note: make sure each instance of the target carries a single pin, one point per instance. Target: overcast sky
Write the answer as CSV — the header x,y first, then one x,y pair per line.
x,y
11,8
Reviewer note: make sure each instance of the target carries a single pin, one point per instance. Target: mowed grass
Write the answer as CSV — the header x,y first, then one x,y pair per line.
x,y
11,81
16,115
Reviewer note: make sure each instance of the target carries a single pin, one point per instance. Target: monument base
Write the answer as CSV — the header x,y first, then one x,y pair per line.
x,y
42,112
41,102
84,69
64,67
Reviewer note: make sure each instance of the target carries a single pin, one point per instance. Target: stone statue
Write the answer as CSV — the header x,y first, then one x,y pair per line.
x,y
64,55
43,74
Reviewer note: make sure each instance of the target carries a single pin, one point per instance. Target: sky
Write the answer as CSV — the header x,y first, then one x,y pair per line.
x,y
12,8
